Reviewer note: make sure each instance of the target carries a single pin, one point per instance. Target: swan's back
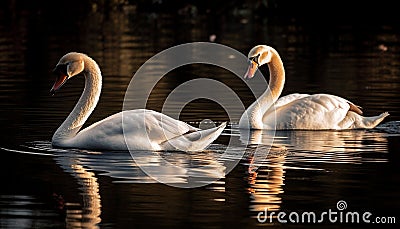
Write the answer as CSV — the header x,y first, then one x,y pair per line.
x,y
312,112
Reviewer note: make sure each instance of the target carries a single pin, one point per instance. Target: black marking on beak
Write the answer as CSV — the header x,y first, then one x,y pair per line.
x,y
60,68
255,59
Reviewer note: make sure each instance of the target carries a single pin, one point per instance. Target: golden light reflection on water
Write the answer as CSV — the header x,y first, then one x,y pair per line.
x,y
323,146
266,184
88,214
304,150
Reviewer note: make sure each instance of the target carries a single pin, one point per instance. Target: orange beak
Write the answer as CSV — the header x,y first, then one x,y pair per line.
x,y
251,70
61,79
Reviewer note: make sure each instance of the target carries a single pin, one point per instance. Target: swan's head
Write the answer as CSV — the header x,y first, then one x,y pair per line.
x,y
71,64
259,55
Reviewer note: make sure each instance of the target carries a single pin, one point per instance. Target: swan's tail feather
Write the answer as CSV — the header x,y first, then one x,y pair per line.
x,y
371,122
194,140
355,108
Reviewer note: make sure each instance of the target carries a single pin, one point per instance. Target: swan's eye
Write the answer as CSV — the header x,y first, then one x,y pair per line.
x,y
255,59
61,68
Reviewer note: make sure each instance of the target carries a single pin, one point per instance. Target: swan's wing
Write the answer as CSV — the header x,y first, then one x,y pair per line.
x,y
194,141
318,111
158,127
283,101
172,134
165,126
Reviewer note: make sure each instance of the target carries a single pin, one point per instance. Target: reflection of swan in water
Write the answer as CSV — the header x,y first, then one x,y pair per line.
x,y
182,169
173,168
88,215
265,168
265,190
297,111
76,215
169,167
142,129
317,146
273,153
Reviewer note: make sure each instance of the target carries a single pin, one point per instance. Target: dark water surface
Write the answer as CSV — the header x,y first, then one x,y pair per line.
x,y
305,171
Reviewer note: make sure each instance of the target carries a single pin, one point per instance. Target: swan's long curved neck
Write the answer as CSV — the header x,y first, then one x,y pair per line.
x,y
254,114
85,105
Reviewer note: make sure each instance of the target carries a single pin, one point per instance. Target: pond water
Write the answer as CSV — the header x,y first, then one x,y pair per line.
x,y
305,171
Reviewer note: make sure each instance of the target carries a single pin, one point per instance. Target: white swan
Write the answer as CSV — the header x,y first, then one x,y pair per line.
x,y
143,129
297,111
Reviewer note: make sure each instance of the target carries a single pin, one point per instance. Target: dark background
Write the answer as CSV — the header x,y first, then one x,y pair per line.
x,y
348,48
